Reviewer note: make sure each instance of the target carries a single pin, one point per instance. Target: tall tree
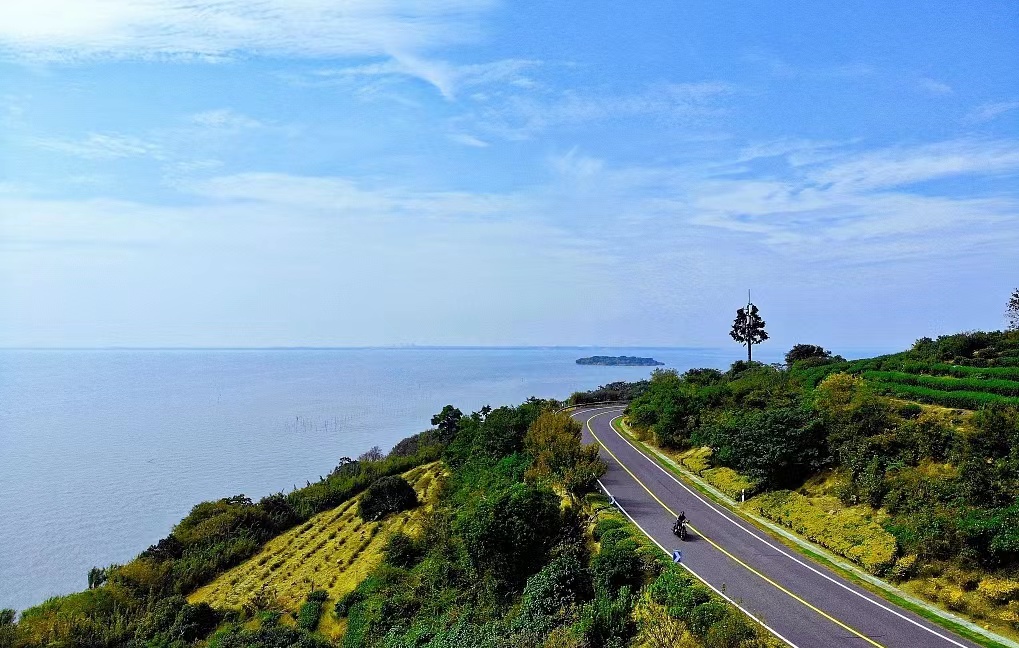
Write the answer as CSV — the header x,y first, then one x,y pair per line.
x,y
1012,312
748,327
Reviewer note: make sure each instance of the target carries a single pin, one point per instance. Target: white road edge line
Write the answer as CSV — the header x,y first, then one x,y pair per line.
x,y
695,574
778,549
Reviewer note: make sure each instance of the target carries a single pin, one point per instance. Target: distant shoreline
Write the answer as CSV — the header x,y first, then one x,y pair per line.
x,y
619,361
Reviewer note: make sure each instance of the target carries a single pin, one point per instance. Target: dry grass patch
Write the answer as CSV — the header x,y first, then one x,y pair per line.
x,y
334,551
847,531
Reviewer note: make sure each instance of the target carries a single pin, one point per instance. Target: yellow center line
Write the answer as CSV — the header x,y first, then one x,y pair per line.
x,y
727,553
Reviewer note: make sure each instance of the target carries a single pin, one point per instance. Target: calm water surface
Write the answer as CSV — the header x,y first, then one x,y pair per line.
x,y
101,452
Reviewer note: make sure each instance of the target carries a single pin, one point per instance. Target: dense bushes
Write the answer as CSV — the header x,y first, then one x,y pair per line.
x,y
949,495
668,408
975,347
509,533
386,495
775,447
401,550
505,560
617,391
559,459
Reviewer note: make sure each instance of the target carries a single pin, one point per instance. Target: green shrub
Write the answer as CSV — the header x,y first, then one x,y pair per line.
x,y
401,550
551,594
776,447
706,615
386,495
612,536
607,622
509,533
235,636
311,610
605,525
730,482
618,564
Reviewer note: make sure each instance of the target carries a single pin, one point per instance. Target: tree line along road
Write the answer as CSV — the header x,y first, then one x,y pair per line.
x,y
804,603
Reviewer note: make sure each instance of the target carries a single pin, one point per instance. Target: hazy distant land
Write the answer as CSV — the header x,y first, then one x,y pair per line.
x,y
619,361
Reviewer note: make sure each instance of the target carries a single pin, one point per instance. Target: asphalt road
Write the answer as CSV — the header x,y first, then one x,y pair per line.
x,y
804,603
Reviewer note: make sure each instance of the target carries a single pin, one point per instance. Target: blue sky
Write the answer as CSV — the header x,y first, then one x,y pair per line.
x,y
369,172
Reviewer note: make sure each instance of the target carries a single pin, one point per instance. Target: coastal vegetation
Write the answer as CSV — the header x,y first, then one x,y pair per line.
x,y
142,601
484,531
905,464
331,554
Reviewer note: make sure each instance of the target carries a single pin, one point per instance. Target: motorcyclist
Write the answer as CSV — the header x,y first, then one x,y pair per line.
x,y
680,522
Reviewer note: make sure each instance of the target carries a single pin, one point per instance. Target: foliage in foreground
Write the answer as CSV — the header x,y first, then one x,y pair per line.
x,y
506,561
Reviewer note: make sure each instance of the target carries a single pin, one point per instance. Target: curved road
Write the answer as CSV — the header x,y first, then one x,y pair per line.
x,y
802,602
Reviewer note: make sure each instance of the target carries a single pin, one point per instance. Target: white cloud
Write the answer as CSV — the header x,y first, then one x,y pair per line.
x,y
989,111
102,146
468,140
499,262
225,119
907,165
348,197
81,29
936,87
448,78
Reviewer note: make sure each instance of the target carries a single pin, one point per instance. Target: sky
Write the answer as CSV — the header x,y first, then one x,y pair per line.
x,y
448,172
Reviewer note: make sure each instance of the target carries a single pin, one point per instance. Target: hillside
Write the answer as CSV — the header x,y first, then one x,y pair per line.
x,y
509,548
907,464
332,552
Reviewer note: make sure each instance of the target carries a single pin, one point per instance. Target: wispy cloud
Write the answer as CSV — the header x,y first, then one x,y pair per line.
x,y
778,67
935,87
468,140
348,197
83,29
448,78
899,166
523,116
989,111
225,119
102,146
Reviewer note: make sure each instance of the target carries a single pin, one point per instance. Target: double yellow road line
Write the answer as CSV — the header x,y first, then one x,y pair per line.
x,y
714,544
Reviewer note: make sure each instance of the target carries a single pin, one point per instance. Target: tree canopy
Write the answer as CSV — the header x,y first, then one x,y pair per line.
x,y
1012,311
748,328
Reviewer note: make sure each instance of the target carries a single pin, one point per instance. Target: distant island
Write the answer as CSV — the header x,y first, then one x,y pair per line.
x,y
619,361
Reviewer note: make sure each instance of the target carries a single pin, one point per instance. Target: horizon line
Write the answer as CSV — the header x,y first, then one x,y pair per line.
x,y
351,347
397,347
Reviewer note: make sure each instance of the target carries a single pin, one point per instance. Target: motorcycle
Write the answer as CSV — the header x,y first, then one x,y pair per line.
x,y
679,529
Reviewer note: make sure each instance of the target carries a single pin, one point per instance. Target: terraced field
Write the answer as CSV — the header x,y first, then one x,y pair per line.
x,y
969,392
934,383
332,551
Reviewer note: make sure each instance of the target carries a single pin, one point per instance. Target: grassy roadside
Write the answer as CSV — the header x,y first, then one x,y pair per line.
x,y
674,608
961,626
